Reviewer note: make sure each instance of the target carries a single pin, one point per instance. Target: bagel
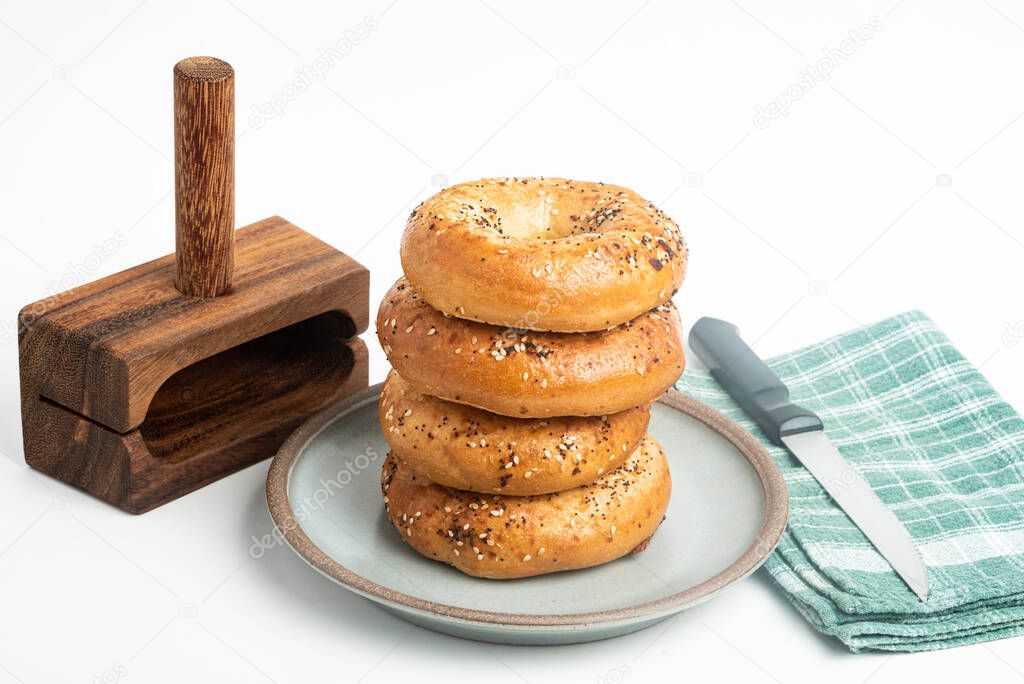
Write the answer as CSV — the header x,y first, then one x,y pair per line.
x,y
543,253
505,537
529,374
464,447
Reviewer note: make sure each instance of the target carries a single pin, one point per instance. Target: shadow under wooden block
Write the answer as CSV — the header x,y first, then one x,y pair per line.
x,y
139,394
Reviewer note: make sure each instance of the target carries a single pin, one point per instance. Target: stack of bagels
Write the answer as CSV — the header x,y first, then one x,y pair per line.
x,y
531,332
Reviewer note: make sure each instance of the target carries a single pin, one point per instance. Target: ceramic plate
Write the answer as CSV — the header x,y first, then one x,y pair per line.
x,y
727,511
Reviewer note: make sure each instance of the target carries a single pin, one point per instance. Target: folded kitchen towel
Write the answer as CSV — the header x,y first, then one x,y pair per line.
x,y
941,449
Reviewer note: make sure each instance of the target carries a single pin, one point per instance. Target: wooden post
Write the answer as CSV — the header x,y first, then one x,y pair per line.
x,y
204,175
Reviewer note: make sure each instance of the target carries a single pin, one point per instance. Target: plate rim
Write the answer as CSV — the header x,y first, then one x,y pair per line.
x,y
773,523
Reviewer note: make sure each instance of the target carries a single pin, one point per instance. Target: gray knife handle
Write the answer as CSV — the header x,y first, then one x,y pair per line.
x,y
747,379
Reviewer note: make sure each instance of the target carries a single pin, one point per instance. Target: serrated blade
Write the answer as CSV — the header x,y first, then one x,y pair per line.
x,y
855,496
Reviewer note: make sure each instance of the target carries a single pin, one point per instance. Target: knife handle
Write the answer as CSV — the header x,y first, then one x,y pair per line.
x,y
747,379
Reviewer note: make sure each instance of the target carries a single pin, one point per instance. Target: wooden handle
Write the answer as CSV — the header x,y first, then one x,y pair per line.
x,y
204,175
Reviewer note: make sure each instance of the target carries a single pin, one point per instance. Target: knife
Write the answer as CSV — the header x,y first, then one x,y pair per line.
x,y
764,398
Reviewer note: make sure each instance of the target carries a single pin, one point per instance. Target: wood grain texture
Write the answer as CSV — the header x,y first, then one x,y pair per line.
x,y
139,393
105,348
204,175
172,456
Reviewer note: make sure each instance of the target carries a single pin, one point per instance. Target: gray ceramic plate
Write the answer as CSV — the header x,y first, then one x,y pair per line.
x,y
727,511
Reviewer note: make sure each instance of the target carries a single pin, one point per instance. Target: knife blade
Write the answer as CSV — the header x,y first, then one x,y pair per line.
x,y
765,398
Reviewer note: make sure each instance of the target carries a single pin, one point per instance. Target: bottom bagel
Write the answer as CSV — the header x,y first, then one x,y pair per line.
x,y
505,537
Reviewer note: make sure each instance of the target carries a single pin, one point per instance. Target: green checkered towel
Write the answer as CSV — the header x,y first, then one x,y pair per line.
x,y
941,448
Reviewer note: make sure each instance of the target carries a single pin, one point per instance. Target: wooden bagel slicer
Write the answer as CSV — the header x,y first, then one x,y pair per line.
x,y
148,384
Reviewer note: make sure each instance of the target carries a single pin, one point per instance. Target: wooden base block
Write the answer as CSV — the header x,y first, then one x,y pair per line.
x,y
139,394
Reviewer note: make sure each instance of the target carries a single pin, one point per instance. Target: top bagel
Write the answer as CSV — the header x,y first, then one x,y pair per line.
x,y
543,253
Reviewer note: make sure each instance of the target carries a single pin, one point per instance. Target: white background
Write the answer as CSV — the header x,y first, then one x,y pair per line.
x,y
896,184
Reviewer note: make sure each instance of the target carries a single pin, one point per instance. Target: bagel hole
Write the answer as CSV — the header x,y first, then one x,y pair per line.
x,y
534,216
